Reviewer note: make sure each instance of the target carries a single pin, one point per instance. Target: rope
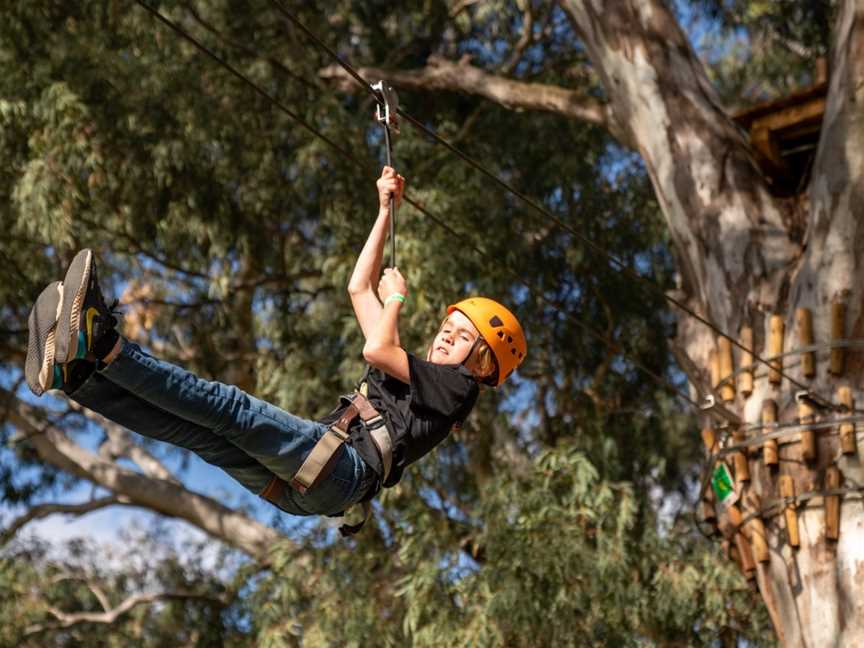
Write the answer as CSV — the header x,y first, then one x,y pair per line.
x,y
619,265
662,382
812,348
777,506
783,430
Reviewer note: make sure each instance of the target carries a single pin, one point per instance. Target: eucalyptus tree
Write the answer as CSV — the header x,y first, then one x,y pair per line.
x,y
746,252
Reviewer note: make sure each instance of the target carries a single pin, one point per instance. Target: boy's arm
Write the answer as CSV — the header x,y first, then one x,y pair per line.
x,y
361,287
382,349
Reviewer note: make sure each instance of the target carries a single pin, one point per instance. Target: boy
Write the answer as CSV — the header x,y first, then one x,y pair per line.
x,y
406,407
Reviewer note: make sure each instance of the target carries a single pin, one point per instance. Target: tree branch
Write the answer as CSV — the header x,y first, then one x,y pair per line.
x,y
119,443
159,495
94,588
524,40
44,510
111,616
441,74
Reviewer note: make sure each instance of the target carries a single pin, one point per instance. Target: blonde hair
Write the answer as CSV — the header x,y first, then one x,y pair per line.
x,y
486,366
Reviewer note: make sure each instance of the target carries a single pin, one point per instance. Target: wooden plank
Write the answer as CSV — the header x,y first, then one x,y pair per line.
x,y
811,110
747,116
804,322
806,415
848,440
787,489
776,331
742,470
714,367
724,353
756,529
745,378
832,504
770,451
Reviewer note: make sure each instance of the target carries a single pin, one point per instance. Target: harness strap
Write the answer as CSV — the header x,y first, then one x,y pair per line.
x,y
314,467
319,462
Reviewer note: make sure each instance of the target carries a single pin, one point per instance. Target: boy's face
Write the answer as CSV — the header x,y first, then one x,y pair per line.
x,y
454,340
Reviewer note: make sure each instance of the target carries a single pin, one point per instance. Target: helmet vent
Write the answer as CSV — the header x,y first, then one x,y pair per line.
x,y
496,321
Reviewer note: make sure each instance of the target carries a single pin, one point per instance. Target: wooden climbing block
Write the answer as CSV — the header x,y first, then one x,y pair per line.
x,y
776,331
770,452
804,322
832,503
745,378
808,437
787,490
739,459
724,353
756,528
848,440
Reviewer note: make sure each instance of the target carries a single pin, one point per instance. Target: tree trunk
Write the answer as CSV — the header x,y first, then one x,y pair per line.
x,y
745,255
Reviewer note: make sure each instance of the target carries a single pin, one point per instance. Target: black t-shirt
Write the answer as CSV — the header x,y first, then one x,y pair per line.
x,y
418,415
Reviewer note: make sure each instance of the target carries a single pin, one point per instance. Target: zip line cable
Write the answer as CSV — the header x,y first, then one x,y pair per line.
x,y
662,382
619,265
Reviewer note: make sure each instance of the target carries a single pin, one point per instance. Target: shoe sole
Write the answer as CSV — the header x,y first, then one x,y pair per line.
x,y
69,320
42,326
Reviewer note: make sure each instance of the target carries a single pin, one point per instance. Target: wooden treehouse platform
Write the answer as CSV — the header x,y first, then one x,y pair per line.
x,y
784,134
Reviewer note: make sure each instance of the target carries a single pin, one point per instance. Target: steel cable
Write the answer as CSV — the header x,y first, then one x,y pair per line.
x,y
663,382
619,265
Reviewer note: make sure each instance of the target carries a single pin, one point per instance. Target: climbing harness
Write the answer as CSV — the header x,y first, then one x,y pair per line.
x,y
319,462
386,113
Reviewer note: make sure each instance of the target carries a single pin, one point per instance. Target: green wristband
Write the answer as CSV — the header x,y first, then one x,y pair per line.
x,y
395,297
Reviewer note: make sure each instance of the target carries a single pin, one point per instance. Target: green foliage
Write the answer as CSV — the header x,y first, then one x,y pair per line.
x,y
765,49
562,561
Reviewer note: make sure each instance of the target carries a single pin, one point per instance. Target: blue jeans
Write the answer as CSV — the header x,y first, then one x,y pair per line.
x,y
249,439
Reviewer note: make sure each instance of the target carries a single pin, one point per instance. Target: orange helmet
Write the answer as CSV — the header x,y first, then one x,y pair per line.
x,y
501,330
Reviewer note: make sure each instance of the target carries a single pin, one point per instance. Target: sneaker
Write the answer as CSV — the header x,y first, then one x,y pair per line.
x,y
69,376
41,352
84,317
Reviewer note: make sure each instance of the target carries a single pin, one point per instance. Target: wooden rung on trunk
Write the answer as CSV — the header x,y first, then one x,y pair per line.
x,y
804,322
709,439
770,454
838,331
787,489
756,529
745,550
739,458
776,331
745,378
724,353
848,440
808,437
714,367
832,503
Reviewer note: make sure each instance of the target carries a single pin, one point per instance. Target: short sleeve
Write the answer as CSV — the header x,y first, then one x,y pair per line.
x,y
447,390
